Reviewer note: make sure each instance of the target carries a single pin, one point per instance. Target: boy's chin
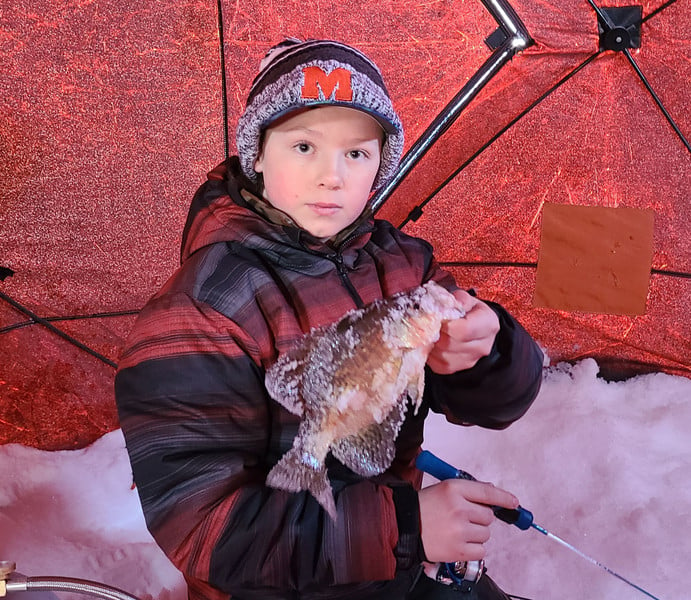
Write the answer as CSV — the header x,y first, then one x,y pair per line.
x,y
321,235
326,230
322,232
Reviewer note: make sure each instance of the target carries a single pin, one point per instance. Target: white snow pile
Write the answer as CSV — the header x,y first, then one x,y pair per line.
x,y
605,466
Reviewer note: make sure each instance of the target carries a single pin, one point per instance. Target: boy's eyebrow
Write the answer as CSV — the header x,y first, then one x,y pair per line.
x,y
301,128
353,140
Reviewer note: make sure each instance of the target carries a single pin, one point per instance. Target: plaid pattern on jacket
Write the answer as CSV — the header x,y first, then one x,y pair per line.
x,y
202,432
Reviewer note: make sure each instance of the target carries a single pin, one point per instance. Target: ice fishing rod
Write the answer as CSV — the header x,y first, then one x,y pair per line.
x,y
520,517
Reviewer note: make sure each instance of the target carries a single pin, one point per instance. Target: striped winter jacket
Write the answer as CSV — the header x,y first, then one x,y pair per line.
x,y
202,432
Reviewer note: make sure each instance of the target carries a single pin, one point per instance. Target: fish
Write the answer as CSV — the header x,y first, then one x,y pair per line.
x,y
352,382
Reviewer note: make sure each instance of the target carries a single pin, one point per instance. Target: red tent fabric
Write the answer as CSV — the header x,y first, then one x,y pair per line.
x,y
598,139
112,115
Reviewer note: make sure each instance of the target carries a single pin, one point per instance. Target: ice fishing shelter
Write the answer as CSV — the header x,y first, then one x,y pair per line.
x,y
112,114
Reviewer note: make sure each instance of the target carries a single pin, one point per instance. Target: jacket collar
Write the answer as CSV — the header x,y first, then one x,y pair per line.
x,y
230,208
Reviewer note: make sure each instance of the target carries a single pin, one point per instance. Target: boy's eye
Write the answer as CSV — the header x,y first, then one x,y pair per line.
x,y
355,154
303,147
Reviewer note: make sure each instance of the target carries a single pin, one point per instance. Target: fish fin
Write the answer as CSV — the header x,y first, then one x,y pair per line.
x,y
413,371
297,471
372,451
283,381
415,391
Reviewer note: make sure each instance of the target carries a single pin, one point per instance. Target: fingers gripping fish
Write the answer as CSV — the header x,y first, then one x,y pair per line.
x,y
350,382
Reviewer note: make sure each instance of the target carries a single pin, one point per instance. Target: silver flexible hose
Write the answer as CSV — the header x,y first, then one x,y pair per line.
x,y
67,584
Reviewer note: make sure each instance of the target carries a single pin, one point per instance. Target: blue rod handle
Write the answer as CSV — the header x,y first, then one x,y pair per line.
x,y
435,466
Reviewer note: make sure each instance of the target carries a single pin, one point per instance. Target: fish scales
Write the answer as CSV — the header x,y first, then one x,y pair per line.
x,y
351,383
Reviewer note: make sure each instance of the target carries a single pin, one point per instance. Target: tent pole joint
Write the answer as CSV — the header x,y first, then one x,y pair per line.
x,y
516,38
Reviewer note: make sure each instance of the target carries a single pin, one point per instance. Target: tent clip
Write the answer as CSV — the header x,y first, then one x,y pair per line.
x,y
495,40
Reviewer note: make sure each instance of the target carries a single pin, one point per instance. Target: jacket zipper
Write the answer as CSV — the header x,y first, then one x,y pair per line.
x,y
337,259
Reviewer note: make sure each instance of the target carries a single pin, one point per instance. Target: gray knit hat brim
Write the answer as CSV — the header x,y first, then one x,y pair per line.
x,y
386,125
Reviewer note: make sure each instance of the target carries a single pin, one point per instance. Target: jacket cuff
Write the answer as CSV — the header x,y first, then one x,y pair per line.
x,y
409,551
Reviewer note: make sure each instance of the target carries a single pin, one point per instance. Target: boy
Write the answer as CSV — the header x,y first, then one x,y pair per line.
x,y
279,241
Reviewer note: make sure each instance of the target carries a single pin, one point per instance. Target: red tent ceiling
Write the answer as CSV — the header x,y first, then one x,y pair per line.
x,y
112,115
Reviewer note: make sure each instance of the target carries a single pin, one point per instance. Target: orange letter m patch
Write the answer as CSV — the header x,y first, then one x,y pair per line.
x,y
334,86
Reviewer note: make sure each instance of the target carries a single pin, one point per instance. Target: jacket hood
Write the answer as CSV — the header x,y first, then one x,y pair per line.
x,y
228,207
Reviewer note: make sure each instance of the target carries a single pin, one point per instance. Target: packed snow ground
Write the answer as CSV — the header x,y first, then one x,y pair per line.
x,y
605,466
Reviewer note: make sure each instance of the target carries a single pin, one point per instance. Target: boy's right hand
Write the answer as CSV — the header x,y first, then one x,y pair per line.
x,y
455,516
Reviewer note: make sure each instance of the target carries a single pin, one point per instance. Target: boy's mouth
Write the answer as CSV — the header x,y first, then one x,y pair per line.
x,y
324,208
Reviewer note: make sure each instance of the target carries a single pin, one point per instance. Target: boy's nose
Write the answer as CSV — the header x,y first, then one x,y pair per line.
x,y
331,172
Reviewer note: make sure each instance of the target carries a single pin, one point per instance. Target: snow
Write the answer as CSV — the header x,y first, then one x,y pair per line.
x,y
604,465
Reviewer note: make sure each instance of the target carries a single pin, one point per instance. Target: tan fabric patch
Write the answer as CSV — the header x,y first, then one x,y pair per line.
x,y
594,259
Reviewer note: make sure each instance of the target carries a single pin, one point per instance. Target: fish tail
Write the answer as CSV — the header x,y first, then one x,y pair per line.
x,y
299,470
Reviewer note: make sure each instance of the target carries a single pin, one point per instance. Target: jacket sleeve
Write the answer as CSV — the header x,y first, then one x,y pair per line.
x,y
198,425
499,389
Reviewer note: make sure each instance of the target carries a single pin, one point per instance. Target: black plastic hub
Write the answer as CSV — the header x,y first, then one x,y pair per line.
x,y
621,28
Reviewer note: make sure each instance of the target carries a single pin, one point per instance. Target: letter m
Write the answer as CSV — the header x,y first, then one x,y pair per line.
x,y
334,86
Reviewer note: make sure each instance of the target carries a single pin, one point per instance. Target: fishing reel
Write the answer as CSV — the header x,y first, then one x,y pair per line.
x,y
462,574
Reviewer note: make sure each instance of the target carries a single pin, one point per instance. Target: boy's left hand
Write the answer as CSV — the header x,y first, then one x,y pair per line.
x,y
464,341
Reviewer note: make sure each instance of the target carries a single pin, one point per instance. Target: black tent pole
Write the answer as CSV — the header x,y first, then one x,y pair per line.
x,y
515,38
65,336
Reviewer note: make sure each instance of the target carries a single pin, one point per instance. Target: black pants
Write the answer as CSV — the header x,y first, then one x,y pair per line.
x,y
428,589
414,585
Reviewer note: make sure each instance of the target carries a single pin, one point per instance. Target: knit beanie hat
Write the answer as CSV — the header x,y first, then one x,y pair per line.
x,y
296,74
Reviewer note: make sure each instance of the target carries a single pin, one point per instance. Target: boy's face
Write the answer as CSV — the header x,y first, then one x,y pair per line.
x,y
319,165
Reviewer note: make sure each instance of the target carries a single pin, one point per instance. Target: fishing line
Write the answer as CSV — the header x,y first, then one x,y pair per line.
x,y
564,543
520,517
